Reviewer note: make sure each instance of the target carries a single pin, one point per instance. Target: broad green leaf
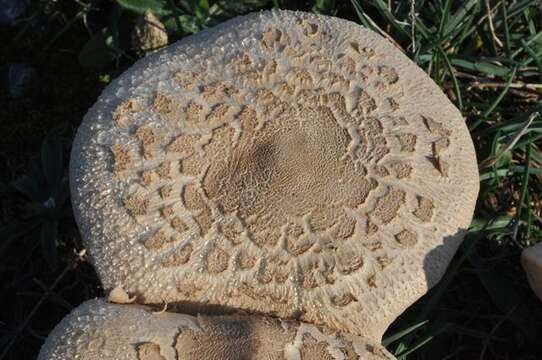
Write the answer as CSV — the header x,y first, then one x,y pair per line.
x,y
188,24
158,7
98,51
231,8
501,222
504,159
322,6
202,10
481,66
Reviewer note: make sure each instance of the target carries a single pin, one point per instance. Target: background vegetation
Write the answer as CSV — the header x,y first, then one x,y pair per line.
x,y
57,55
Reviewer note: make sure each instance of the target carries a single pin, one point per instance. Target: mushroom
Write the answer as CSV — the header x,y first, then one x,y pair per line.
x,y
531,260
119,296
134,332
282,163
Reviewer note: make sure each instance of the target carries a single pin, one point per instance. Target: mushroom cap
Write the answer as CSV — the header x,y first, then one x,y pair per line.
x,y
98,330
531,260
281,163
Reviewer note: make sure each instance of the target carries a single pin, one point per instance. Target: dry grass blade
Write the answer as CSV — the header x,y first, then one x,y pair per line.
x,y
492,160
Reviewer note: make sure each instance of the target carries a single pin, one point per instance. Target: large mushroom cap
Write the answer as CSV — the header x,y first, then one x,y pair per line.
x,y
282,163
97,330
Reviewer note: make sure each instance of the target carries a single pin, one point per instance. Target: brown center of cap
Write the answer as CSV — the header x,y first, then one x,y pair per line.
x,y
295,167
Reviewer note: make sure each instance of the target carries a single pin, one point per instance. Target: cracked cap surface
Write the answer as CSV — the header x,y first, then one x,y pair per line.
x,y
97,330
282,163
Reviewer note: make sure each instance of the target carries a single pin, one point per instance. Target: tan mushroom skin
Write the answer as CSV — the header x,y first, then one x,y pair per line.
x,y
135,332
282,163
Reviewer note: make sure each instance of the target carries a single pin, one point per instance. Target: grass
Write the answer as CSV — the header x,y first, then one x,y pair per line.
x,y
486,55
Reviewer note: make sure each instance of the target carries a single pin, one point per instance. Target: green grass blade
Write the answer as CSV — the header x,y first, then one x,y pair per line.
x,y
390,19
455,83
524,188
496,102
507,45
458,17
402,333
418,344
534,56
518,7
480,66
158,7
361,15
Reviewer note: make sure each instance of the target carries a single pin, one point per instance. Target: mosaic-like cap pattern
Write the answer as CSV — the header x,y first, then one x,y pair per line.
x,y
97,330
282,163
